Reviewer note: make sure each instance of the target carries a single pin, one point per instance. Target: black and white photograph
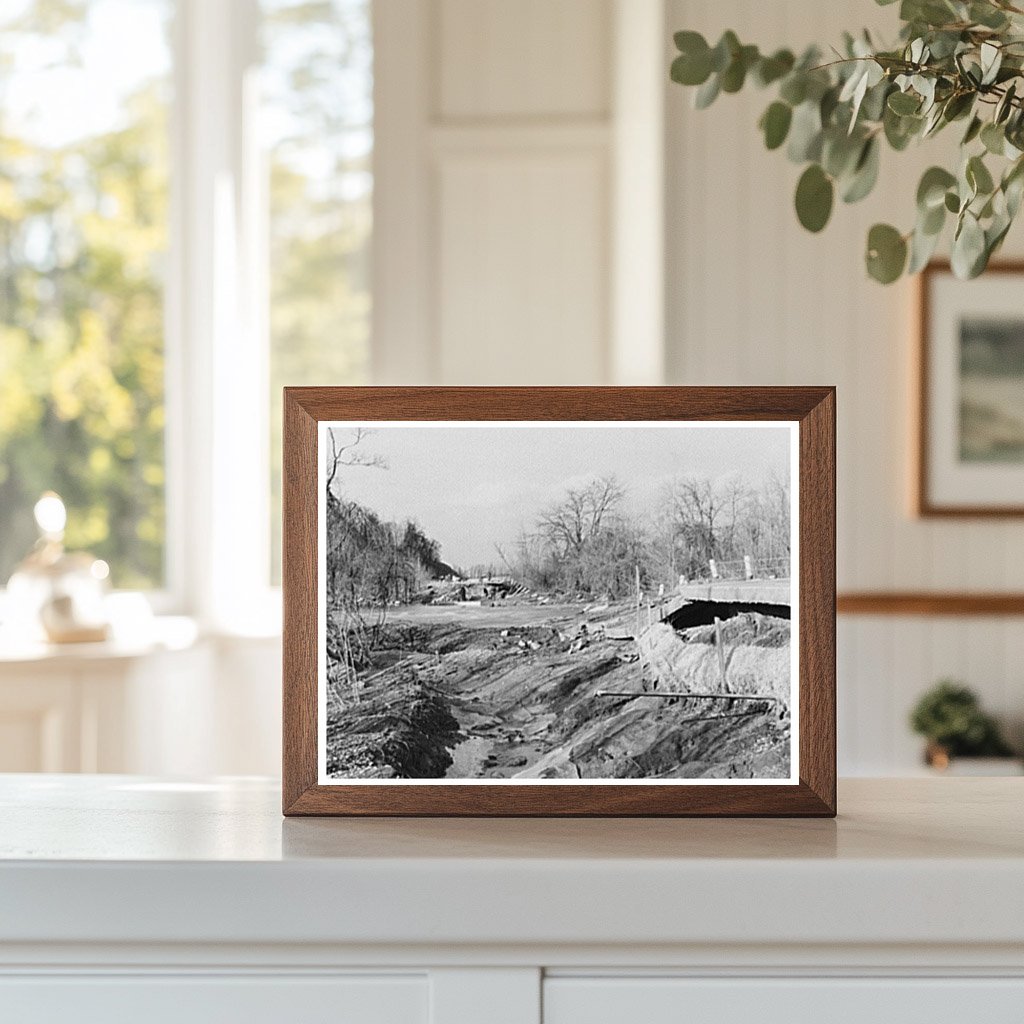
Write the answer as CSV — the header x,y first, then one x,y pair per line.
x,y
528,602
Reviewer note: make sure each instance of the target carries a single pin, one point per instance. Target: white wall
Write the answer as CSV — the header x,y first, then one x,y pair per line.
x,y
498,203
754,299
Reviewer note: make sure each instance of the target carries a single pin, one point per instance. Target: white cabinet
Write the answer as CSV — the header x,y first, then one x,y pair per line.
x,y
215,1000
102,708
127,899
829,1000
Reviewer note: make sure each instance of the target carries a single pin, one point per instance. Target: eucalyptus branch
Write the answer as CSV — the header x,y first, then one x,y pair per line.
x,y
955,61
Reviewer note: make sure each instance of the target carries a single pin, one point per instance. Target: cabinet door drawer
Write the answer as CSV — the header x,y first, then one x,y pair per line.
x,y
202,999
783,1001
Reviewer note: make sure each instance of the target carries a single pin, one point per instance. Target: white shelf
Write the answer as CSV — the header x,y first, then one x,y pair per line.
x,y
129,897
121,859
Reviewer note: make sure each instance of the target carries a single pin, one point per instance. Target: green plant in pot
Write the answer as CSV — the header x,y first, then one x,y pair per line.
x,y
957,63
950,717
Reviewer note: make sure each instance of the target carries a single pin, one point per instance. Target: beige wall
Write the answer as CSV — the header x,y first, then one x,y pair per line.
x,y
753,299
503,135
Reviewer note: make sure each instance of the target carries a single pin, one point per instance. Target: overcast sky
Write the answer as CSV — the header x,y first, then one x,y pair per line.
x,y
470,487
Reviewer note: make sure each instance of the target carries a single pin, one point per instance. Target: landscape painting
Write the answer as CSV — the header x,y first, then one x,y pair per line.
x,y
991,389
530,602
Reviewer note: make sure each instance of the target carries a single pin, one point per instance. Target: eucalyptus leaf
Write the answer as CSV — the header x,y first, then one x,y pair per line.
x,y
929,12
1014,192
840,152
775,124
931,190
865,173
900,130
932,221
814,196
886,253
771,69
987,15
724,51
944,44
958,105
805,133
934,121
925,87
991,60
993,138
922,248
691,70
735,74
903,103
1005,105
978,176
873,107
794,88
968,248
707,93
827,106
1013,187
973,130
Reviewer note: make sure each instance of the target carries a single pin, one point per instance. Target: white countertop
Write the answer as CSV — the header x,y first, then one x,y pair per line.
x,y
122,859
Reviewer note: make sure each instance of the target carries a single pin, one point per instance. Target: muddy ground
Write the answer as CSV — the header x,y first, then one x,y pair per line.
x,y
515,691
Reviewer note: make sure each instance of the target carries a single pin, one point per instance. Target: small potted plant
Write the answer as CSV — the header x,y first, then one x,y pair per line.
x,y
950,717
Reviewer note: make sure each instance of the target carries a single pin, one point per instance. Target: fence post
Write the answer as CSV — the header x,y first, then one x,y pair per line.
x,y
713,566
748,567
720,648
639,626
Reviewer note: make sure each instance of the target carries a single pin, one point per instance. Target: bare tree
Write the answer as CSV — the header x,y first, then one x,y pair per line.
x,y
581,514
347,455
697,509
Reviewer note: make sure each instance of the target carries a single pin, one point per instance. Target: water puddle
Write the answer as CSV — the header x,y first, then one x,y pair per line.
x,y
468,758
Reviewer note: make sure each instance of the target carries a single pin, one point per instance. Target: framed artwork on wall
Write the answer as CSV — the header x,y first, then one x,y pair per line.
x,y
559,601
970,422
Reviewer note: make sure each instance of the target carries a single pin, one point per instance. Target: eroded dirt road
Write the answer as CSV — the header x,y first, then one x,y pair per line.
x,y
517,691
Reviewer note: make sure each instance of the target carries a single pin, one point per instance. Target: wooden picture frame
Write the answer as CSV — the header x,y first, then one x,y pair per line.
x,y
810,788
946,483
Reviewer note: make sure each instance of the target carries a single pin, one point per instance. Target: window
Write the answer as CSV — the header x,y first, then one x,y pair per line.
x,y
185,221
83,236
317,116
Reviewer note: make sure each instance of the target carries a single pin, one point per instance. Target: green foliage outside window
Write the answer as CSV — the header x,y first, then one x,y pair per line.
x,y
83,216
318,109
83,243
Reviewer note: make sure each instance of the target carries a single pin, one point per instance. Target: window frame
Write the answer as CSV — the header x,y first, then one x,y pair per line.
x,y
217,351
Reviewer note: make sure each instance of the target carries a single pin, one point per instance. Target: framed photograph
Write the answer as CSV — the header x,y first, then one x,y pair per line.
x,y
559,601
970,444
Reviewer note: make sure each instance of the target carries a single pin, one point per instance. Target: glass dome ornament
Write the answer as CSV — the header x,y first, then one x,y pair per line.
x,y
56,595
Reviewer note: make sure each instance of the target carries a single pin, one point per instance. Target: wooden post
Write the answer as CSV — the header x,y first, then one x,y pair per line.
x,y
720,648
639,649
638,623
